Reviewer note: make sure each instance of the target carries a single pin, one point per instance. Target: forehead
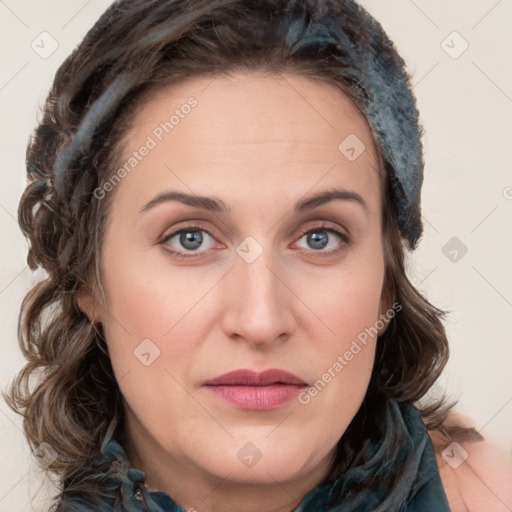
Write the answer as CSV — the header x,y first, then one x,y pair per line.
x,y
248,132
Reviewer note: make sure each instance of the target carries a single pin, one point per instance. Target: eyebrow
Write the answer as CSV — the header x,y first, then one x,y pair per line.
x,y
216,205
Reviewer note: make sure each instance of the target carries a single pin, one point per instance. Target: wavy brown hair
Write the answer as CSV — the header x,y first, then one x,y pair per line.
x,y
135,48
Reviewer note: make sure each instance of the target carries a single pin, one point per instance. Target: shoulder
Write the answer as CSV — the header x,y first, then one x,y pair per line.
x,y
476,474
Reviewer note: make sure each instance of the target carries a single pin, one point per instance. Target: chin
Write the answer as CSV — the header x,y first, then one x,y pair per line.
x,y
262,462
268,472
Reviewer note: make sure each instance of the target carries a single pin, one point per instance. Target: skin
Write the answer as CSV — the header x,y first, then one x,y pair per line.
x,y
260,144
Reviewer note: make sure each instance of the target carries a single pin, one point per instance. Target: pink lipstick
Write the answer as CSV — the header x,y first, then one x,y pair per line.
x,y
246,389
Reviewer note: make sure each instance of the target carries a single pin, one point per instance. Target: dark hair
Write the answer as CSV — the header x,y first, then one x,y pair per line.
x,y
135,48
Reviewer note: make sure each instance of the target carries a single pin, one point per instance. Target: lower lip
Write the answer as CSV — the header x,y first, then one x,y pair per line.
x,y
257,398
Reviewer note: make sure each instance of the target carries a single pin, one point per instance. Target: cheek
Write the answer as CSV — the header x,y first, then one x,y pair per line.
x,y
342,356
346,302
150,297
341,363
150,307
150,326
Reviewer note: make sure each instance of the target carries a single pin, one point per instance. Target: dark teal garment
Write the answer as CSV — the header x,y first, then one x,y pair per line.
x,y
404,443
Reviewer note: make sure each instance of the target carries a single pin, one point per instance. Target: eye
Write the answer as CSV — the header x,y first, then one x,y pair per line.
x,y
320,237
189,239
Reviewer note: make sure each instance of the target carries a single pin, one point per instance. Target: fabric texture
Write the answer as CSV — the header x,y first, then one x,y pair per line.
x,y
403,443
384,93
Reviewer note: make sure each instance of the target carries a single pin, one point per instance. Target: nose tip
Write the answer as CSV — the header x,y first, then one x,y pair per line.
x,y
259,308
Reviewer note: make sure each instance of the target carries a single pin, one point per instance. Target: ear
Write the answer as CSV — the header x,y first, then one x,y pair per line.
x,y
88,304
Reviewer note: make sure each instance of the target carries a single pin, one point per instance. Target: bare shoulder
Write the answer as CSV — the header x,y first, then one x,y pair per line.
x,y
476,474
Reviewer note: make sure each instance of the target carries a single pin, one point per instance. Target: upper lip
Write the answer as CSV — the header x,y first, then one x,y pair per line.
x,y
250,378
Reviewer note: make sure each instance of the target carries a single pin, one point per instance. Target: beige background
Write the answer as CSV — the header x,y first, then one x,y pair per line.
x,y
465,101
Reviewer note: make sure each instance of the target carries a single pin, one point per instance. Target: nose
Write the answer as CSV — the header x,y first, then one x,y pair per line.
x,y
260,305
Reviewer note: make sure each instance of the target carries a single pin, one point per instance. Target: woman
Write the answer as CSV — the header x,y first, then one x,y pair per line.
x,y
221,193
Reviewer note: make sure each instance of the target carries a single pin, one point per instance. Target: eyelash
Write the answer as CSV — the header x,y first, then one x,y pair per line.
x,y
195,227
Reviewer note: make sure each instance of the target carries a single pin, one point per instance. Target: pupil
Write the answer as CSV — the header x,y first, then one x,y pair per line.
x,y
188,237
314,238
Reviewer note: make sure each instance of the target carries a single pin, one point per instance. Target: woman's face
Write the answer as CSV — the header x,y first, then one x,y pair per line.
x,y
256,281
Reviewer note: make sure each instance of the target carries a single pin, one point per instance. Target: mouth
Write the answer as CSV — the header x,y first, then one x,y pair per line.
x,y
246,389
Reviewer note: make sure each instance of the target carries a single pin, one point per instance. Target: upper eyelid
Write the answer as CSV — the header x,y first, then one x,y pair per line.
x,y
190,227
